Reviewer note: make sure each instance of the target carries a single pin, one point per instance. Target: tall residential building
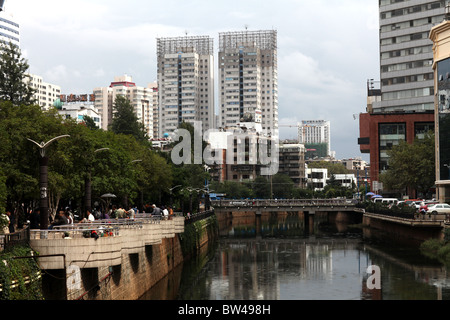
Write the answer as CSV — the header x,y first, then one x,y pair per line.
x,y
46,93
154,86
9,28
404,108
248,78
406,54
316,136
185,82
141,98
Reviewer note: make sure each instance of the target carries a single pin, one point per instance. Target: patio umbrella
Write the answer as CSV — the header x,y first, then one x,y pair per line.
x,y
108,197
377,196
370,194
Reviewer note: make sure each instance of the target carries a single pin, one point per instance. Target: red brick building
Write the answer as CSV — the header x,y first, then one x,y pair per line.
x,y
380,131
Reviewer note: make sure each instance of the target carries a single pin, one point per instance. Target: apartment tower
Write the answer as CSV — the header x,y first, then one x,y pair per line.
x,y
248,79
46,93
405,107
406,54
141,98
315,135
185,82
9,28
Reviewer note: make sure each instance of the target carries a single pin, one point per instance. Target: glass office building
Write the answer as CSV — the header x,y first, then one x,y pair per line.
x,y
440,36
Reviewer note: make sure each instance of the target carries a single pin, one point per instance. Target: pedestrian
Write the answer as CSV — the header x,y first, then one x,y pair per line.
x,y
170,213
120,213
165,213
68,215
5,218
60,220
12,221
156,211
423,209
130,213
113,214
35,219
90,216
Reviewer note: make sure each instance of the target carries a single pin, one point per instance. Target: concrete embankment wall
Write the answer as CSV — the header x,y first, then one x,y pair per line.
x,y
377,227
136,274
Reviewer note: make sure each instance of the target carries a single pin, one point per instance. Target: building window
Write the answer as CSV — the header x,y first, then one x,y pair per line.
x,y
390,135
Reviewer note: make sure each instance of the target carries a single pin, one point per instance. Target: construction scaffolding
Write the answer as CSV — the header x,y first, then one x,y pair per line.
x,y
203,45
263,39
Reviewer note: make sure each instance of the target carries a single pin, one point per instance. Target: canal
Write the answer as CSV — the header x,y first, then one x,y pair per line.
x,y
282,257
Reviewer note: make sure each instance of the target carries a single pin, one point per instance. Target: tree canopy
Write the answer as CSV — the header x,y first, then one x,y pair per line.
x,y
125,120
112,170
411,166
13,84
333,168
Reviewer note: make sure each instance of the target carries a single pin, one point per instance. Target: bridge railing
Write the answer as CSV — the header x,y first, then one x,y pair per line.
x,y
281,202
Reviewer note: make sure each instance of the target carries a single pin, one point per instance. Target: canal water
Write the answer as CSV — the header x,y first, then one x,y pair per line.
x,y
286,258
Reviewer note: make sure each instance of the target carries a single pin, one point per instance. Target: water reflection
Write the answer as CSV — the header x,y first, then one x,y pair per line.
x,y
288,257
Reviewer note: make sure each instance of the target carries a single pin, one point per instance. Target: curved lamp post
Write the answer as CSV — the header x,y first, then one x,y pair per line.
x,y
43,179
171,199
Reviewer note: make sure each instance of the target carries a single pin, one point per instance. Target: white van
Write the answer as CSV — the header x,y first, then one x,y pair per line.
x,y
389,201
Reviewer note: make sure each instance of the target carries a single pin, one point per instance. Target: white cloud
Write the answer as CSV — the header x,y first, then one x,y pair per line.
x,y
326,49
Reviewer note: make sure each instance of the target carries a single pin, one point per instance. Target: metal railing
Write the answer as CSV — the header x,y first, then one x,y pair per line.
x,y
15,238
281,202
198,216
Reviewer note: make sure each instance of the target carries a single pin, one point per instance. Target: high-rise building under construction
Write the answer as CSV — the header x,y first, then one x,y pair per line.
x,y
185,82
248,80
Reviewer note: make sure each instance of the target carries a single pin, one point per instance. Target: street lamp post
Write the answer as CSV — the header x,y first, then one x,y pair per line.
x,y
171,189
43,179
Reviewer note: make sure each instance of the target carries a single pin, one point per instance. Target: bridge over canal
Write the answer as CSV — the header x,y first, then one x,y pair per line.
x,y
288,205
341,210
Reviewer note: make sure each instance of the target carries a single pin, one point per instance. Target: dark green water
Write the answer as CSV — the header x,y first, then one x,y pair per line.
x,y
284,259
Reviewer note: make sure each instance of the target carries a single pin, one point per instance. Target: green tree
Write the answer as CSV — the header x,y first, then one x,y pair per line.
x,y
90,123
411,166
333,168
261,187
282,186
125,121
13,84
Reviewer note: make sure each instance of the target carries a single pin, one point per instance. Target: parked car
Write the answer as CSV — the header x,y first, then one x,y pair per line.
x,y
439,208
411,201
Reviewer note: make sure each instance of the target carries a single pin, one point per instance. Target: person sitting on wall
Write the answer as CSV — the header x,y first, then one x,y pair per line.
x,y
60,220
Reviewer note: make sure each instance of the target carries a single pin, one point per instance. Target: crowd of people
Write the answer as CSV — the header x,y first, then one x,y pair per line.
x,y
67,217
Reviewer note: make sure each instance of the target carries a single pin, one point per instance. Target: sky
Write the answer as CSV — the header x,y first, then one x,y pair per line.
x,y
327,49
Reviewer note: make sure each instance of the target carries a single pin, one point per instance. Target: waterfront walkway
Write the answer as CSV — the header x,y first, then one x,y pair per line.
x,y
102,242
